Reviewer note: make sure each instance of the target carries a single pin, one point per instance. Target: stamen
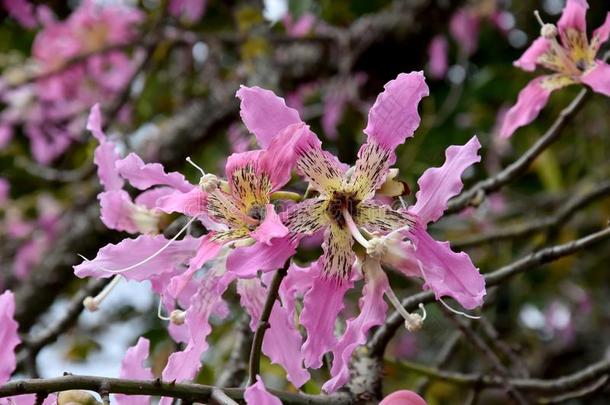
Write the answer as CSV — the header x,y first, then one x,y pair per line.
x,y
537,15
177,316
188,159
548,31
402,202
413,322
149,258
92,303
455,311
353,228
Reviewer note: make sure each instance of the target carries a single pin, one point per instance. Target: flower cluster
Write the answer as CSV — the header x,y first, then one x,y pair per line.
x,y
255,227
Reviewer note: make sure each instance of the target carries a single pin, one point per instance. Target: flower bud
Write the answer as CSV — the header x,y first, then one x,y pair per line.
x,y
76,397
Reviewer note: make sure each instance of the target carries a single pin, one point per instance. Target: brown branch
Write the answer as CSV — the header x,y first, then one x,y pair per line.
x,y
185,391
234,370
475,195
384,333
442,359
263,323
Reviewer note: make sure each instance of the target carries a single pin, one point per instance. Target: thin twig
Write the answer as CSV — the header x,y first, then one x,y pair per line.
x,y
475,194
186,391
220,398
263,323
577,393
384,333
493,336
442,359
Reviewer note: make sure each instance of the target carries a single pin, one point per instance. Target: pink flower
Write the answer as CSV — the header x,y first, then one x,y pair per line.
x,y
132,367
403,397
257,394
346,204
566,51
8,336
464,28
437,55
22,11
189,10
5,188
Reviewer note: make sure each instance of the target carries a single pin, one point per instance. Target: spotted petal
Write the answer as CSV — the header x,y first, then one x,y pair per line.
x,y
321,169
377,217
307,217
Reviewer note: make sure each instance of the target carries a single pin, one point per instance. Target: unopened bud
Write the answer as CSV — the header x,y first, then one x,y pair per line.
x,y
177,317
209,182
548,31
91,304
76,397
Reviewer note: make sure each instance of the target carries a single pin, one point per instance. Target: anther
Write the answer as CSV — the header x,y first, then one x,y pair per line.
x,y
377,247
209,182
548,31
413,322
90,304
177,316
93,303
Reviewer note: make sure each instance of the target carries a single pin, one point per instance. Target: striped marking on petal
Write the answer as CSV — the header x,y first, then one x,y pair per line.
x,y
306,217
230,234
320,169
377,217
250,187
222,208
338,257
370,171
577,45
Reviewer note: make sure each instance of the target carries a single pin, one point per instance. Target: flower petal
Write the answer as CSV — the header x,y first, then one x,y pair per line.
x,y
600,36
394,117
306,217
403,397
249,183
117,211
531,56
573,17
372,313
282,342
371,170
132,367
447,272
191,203
377,217
270,228
438,184
531,100
264,113
438,57
338,257
321,169
8,336
132,251
245,262
598,78
105,155
144,175
321,307
257,394
464,28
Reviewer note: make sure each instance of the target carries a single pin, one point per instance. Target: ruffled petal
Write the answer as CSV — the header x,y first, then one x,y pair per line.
x,y
438,184
403,397
321,169
105,155
257,394
372,313
282,343
264,113
150,197
185,364
600,36
438,57
132,251
448,273
573,17
144,175
270,228
132,367
394,117
8,336
117,211
191,203
322,305
598,77
245,262
531,56
531,100
94,123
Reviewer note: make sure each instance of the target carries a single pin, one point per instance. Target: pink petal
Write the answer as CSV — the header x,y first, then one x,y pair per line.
x,y
191,203
464,28
264,113
297,281
403,397
117,211
22,11
438,63
334,106
144,175
598,77
184,365
150,197
531,100
529,59
282,343
131,251
190,10
94,123
132,367
245,262
105,155
207,250
394,117
257,394
601,34
438,184
8,336
447,272
574,16
372,313
321,307
270,228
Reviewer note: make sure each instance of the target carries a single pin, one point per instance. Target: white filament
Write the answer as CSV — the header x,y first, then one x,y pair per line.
x,y
188,159
455,311
92,303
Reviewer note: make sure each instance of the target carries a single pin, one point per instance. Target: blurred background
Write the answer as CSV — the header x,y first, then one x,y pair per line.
x,y
165,74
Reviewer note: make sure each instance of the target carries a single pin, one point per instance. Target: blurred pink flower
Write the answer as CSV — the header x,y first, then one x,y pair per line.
x,y
464,28
438,57
301,26
189,10
22,11
5,189
572,58
8,336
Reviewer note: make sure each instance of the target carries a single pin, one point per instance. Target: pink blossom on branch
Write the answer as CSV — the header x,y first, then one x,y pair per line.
x,y
564,49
